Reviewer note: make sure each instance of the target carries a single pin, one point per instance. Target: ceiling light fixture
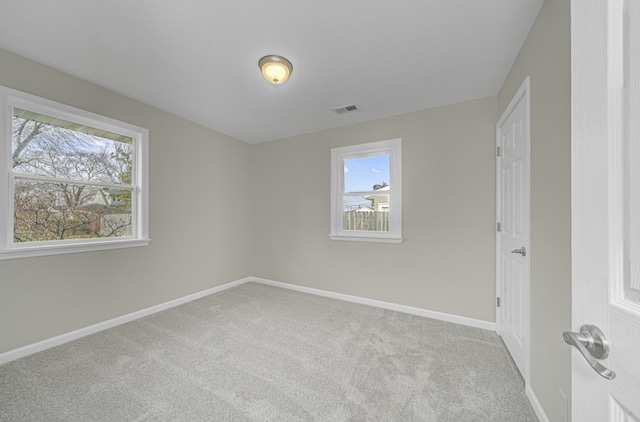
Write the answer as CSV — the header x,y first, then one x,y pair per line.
x,y
275,69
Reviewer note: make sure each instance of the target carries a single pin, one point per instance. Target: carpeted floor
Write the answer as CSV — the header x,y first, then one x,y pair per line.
x,y
261,353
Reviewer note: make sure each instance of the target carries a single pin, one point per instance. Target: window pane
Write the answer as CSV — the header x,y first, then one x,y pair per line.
x,y
366,173
369,212
57,211
46,146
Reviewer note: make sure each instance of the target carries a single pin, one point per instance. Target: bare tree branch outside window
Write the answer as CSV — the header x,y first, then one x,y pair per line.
x,y
67,182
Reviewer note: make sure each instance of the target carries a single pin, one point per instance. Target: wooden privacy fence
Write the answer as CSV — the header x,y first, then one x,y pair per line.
x,y
366,220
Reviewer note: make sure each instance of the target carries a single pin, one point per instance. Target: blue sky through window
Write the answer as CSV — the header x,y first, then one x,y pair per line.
x,y
360,174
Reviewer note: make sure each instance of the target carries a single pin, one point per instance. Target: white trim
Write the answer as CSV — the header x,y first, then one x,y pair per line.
x,y
59,248
392,147
92,329
535,404
524,92
367,238
9,249
477,323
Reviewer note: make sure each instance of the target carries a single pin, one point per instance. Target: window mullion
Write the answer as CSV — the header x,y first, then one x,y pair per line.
x,y
367,192
70,181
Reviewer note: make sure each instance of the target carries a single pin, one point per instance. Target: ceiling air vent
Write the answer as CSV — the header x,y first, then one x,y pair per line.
x,y
345,109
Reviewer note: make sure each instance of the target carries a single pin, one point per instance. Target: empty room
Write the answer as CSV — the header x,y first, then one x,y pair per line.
x,y
319,211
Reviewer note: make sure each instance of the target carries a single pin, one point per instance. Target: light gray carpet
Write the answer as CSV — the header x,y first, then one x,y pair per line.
x,y
260,353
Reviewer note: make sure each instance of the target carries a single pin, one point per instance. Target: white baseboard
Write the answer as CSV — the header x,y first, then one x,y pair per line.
x,y
477,323
537,407
92,329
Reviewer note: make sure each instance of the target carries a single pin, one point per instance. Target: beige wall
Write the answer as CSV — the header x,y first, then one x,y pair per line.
x,y
197,242
445,264
546,57
447,260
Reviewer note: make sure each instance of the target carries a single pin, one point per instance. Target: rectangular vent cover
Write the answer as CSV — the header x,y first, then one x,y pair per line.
x,y
345,109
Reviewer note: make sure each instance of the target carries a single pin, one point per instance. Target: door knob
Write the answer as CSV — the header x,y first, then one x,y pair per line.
x,y
522,251
593,345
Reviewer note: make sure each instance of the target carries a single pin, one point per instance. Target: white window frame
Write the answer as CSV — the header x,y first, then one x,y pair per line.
x,y
393,148
10,98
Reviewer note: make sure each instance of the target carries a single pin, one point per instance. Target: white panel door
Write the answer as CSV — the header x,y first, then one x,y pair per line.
x,y
606,203
513,236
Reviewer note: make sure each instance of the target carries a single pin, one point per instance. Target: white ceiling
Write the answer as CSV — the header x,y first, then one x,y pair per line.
x,y
198,59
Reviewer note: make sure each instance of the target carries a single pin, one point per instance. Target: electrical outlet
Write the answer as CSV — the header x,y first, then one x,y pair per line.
x,y
296,271
564,407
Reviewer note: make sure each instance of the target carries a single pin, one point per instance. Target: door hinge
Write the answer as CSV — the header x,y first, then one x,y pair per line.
x,y
498,226
498,302
498,151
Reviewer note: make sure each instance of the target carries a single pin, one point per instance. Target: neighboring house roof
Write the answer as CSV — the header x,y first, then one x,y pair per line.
x,y
374,196
101,197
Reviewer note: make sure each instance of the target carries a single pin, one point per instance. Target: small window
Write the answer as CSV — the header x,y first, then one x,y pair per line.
x,y
366,192
72,181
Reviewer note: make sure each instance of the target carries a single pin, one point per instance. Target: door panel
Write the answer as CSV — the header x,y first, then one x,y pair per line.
x,y
513,193
632,151
506,217
624,303
518,202
606,202
512,330
620,414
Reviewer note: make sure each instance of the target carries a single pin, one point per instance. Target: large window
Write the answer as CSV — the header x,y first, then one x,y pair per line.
x,y
71,181
366,192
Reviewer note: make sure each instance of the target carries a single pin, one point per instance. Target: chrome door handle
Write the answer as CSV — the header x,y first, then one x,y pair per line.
x,y
593,345
522,251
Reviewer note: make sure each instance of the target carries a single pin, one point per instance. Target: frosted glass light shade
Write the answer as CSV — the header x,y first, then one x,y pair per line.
x,y
275,69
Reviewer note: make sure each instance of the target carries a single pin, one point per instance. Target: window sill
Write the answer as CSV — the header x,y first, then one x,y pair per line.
x,y
357,238
44,250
